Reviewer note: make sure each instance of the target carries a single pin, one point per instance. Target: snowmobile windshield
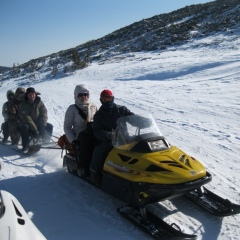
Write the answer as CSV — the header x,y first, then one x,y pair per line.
x,y
134,128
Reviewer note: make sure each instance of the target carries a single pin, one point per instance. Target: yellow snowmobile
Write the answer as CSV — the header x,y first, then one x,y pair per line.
x,y
144,168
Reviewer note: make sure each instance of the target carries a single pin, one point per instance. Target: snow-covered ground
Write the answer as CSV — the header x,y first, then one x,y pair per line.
x,y
193,92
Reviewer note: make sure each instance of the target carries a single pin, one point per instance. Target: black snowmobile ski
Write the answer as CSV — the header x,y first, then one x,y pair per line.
x,y
213,203
154,226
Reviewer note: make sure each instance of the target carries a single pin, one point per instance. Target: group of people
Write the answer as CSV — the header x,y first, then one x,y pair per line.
x,y
87,128
25,118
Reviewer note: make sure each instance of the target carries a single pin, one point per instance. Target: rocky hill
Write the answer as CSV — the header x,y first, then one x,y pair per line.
x,y
158,33
4,69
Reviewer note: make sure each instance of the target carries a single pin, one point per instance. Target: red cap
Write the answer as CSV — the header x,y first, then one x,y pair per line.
x,y
106,93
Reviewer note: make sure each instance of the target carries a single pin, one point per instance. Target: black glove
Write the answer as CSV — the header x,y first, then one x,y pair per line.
x,y
35,134
75,144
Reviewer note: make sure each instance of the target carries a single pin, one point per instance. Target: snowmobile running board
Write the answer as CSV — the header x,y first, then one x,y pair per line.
x,y
154,226
213,203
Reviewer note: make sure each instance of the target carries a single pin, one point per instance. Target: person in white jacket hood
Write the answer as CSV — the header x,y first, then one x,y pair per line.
x,y
76,120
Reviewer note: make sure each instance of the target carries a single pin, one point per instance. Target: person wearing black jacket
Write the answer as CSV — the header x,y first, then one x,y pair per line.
x,y
104,122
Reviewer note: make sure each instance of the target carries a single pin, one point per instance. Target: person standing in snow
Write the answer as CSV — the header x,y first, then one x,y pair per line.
x,y
77,126
105,120
4,126
33,115
13,117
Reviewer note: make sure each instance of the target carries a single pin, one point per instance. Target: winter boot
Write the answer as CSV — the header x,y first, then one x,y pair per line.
x,y
4,139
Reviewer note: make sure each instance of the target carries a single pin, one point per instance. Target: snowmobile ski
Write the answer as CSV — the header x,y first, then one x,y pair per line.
x,y
154,226
213,203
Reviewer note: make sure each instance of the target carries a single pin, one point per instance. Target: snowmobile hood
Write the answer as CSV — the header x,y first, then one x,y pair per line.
x,y
175,166
171,166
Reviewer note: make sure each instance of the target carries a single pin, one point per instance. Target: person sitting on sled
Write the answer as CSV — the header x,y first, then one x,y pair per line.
x,y
33,115
104,122
13,117
4,126
77,126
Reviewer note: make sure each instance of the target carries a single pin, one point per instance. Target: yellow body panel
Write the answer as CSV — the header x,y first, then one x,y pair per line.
x,y
171,166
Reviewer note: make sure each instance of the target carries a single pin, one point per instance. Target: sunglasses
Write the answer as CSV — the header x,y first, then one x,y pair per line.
x,y
83,95
107,98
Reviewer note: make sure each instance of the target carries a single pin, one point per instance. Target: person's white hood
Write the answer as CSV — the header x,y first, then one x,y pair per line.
x,y
80,89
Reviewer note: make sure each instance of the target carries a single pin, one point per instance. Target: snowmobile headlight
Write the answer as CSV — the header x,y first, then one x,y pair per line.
x,y
157,145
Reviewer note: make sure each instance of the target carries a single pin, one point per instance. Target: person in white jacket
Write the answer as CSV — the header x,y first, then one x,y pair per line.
x,y
77,126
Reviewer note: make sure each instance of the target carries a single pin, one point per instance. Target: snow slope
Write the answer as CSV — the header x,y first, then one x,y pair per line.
x,y
193,91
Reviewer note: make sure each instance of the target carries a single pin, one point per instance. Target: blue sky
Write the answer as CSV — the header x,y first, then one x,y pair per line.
x,y
31,28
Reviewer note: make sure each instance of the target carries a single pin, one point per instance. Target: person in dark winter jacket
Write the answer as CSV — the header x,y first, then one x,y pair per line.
x,y
33,115
105,120
77,118
4,126
13,117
